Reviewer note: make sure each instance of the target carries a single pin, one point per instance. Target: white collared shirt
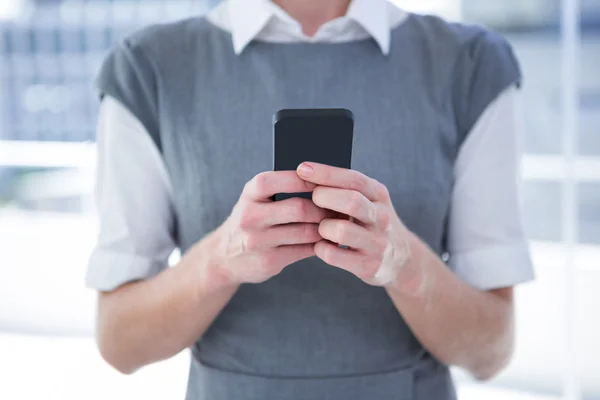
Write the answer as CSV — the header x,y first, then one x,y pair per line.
x,y
486,243
265,21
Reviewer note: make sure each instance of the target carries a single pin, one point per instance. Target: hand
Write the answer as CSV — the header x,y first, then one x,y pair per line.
x,y
261,237
379,243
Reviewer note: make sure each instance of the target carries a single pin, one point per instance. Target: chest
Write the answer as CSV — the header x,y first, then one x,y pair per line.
x,y
220,134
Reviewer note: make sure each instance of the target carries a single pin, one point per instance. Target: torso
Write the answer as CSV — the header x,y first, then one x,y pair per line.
x,y
216,128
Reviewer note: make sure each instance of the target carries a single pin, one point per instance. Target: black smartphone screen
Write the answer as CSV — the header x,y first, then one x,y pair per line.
x,y
318,135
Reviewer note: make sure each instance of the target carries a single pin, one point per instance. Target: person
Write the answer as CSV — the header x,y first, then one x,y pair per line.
x,y
269,302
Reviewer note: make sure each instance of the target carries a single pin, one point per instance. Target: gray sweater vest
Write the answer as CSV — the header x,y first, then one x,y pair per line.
x,y
314,331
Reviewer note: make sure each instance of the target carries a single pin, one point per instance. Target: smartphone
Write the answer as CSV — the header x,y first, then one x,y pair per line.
x,y
319,135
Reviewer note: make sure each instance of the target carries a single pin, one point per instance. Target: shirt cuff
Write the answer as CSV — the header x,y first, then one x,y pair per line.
x,y
494,267
107,270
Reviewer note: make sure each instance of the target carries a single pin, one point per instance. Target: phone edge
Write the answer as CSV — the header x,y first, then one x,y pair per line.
x,y
312,112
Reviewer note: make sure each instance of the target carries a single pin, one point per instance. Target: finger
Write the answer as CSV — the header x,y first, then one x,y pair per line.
x,y
349,202
346,259
282,235
283,256
326,175
294,210
266,184
347,233
261,215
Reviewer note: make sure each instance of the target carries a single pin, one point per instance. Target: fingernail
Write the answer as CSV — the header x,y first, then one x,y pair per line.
x,y
305,169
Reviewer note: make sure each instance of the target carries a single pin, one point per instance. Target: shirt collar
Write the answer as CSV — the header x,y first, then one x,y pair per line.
x,y
249,17
373,16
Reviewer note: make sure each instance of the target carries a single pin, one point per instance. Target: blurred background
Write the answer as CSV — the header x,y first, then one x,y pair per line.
x,y
51,49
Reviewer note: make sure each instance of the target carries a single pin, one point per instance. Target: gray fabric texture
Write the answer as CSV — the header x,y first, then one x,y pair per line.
x,y
314,331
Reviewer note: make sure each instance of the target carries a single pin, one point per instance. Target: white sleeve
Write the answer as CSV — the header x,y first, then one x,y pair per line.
x,y
486,243
134,202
